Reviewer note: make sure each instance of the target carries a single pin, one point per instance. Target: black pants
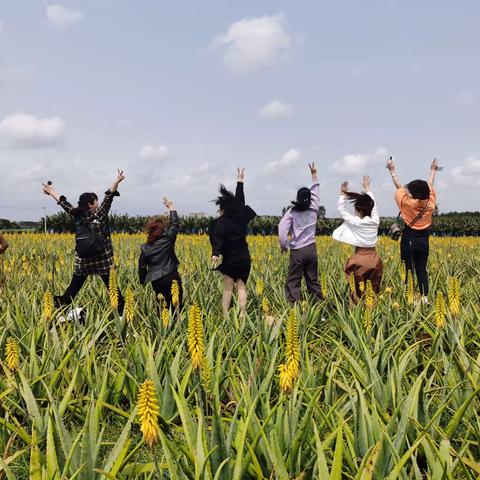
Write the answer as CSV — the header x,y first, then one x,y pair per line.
x,y
303,263
163,285
414,249
76,284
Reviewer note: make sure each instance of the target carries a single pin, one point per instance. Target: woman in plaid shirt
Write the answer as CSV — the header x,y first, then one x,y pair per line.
x,y
97,217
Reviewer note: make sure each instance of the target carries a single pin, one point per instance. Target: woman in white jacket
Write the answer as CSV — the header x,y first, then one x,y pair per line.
x,y
361,231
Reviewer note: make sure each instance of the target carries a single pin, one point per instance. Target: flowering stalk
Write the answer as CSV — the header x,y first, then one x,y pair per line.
x,y
129,304
440,310
149,412
47,305
290,370
113,289
410,291
196,344
175,291
454,296
12,354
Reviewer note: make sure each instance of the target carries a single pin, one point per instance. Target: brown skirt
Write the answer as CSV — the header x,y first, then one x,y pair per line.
x,y
365,264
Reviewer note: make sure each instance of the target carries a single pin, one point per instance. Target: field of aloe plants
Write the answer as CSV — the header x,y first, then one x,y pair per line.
x,y
382,390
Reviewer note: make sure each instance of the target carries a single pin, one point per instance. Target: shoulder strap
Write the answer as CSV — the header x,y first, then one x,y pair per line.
x,y
419,216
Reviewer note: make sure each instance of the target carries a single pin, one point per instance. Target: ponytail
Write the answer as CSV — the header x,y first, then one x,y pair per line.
x,y
304,198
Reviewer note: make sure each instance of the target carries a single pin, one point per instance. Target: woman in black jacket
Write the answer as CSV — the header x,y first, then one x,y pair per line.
x,y
228,238
158,262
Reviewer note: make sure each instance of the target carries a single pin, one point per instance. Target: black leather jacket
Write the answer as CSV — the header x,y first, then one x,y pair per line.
x,y
158,259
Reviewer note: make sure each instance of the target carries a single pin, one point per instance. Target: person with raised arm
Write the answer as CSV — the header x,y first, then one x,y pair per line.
x,y
361,231
296,232
93,243
228,239
417,202
158,262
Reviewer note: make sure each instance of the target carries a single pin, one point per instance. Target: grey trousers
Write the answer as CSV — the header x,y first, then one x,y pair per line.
x,y
303,263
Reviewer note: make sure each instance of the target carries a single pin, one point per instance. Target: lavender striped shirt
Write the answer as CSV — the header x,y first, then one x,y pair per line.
x,y
300,226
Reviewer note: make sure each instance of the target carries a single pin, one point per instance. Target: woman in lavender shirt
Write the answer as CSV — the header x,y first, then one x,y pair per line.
x,y
299,224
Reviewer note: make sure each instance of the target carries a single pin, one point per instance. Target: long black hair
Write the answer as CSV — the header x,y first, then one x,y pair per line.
x,y
227,201
304,199
84,202
362,202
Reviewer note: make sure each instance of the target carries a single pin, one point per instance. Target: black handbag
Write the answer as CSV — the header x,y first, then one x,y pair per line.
x,y
396,230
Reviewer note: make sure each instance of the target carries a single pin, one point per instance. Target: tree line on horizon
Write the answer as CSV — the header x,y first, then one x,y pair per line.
x,y
445,224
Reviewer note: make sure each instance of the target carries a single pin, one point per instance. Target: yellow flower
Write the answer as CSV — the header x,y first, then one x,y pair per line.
x,y
351,283
410,291
454,295
165,316
259,288
129,304
388,291
361,287
285,379
367,320
290,370
395,306
440,310
113,289
12,355
266,306
369,295
324,284
196,343
149,412
47,305
175,293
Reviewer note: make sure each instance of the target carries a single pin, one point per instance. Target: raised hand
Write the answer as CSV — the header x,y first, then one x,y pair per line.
x,y
120,176
168,203
391,164
434,166
344,188
48,188
240,174
313,169
366,183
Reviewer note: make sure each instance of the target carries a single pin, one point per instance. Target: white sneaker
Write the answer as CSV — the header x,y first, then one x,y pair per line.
x,y
77,314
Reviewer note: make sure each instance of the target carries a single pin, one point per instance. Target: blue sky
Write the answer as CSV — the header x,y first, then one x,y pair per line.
x,y
180,93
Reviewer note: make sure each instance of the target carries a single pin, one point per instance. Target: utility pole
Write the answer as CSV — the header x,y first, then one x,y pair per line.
x,y
45,220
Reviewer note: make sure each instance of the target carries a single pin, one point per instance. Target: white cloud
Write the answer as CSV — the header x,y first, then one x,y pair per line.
x,y
289,159
149,164
354,163
154,153
468,174
465,98
61,17
275,109
21,130
351,163
255,43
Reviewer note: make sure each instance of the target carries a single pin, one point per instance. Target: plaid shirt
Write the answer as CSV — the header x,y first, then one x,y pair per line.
x,y
98,220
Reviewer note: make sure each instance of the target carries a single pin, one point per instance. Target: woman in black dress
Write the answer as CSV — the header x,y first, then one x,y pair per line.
x,y
228,238
95,216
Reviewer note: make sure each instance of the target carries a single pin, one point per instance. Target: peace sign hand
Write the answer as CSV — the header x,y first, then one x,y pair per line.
x,y
313,170
240,174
